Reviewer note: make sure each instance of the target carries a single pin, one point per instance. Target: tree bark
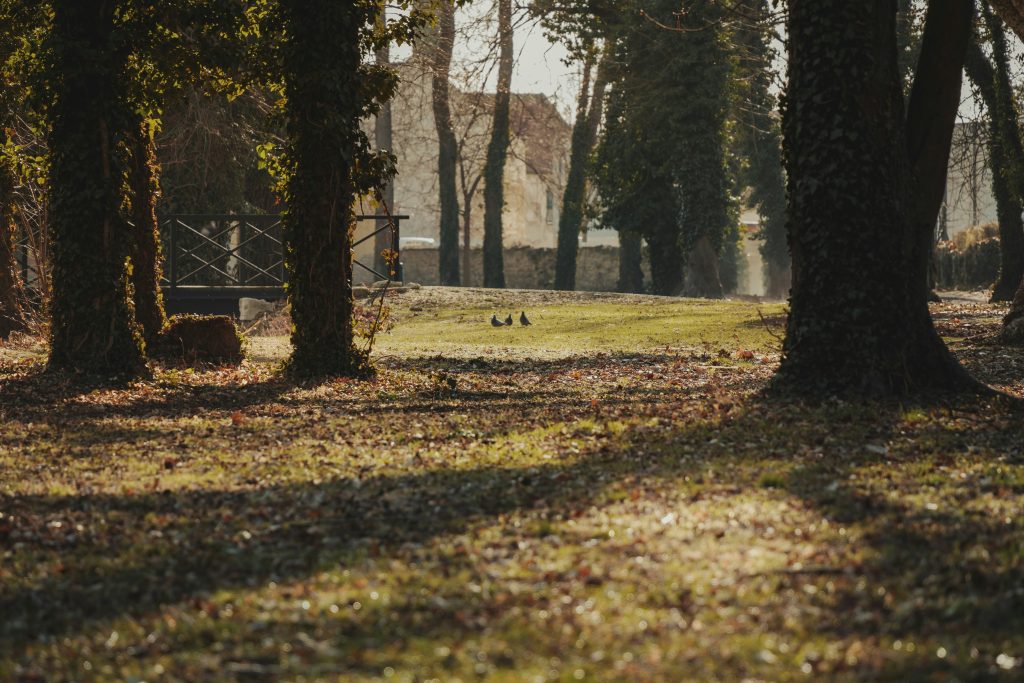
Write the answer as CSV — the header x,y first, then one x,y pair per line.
x,y
702,274
12,316
1012,12
383,139
93,329
665,254
631,275
859,321
1013,323
497,152
447,147
322,84
144,189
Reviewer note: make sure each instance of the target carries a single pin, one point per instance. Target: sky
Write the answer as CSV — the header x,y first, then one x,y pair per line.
x,y
540,67
539,64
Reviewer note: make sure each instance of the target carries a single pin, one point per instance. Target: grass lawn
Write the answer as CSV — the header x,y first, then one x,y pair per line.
x,y
606,495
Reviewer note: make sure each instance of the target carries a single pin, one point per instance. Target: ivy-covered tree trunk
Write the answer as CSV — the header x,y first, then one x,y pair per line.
x,y
12,317
322,84
706,206
1006,152
861,183
1013,323
631,274
93,324
574,199
447,147
1012,12
497,152
144,188
665,254
384,140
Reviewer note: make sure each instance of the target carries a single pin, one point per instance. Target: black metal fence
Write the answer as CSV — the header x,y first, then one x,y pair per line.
x,y
241,255
212,260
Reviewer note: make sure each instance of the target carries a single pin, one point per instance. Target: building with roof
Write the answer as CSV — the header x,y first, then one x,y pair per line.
x,y
535,171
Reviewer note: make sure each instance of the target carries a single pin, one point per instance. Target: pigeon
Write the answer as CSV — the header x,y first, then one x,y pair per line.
x,y
523,320
508,320
495,322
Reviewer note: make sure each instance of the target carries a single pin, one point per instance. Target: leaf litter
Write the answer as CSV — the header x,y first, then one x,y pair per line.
x,y
631,513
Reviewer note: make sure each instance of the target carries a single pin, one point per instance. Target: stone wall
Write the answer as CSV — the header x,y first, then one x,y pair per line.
x,y
597,269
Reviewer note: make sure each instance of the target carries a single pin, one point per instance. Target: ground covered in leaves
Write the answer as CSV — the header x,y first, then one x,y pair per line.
x,y
606,495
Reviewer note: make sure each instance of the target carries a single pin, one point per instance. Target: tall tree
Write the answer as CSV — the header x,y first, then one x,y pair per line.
x,y
859,321
584,136
12,316
1006,151
321,61
636,191
664,152
759,140
447,149
572,198
93,326
1012,12
497,153
698,122
329,89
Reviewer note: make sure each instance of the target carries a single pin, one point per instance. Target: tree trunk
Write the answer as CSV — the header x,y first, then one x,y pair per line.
x,y
322,84
631,275
447,147
12,317
1013,323
572,199
383,139
666,257
497,152
704,185
468,193
859,321
702,274
144,188
93,329
1008,205
1006,153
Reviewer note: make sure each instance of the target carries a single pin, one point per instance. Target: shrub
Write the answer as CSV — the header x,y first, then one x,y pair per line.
x,y
193,339
971,260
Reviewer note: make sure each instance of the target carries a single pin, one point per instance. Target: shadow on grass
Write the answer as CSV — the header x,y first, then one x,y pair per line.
x,y
129,555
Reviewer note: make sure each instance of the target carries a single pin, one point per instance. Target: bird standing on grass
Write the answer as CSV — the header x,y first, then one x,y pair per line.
x,y
508,320
523,320
495,322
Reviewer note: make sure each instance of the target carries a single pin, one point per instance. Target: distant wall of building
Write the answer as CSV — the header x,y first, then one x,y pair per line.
x,y
597,268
